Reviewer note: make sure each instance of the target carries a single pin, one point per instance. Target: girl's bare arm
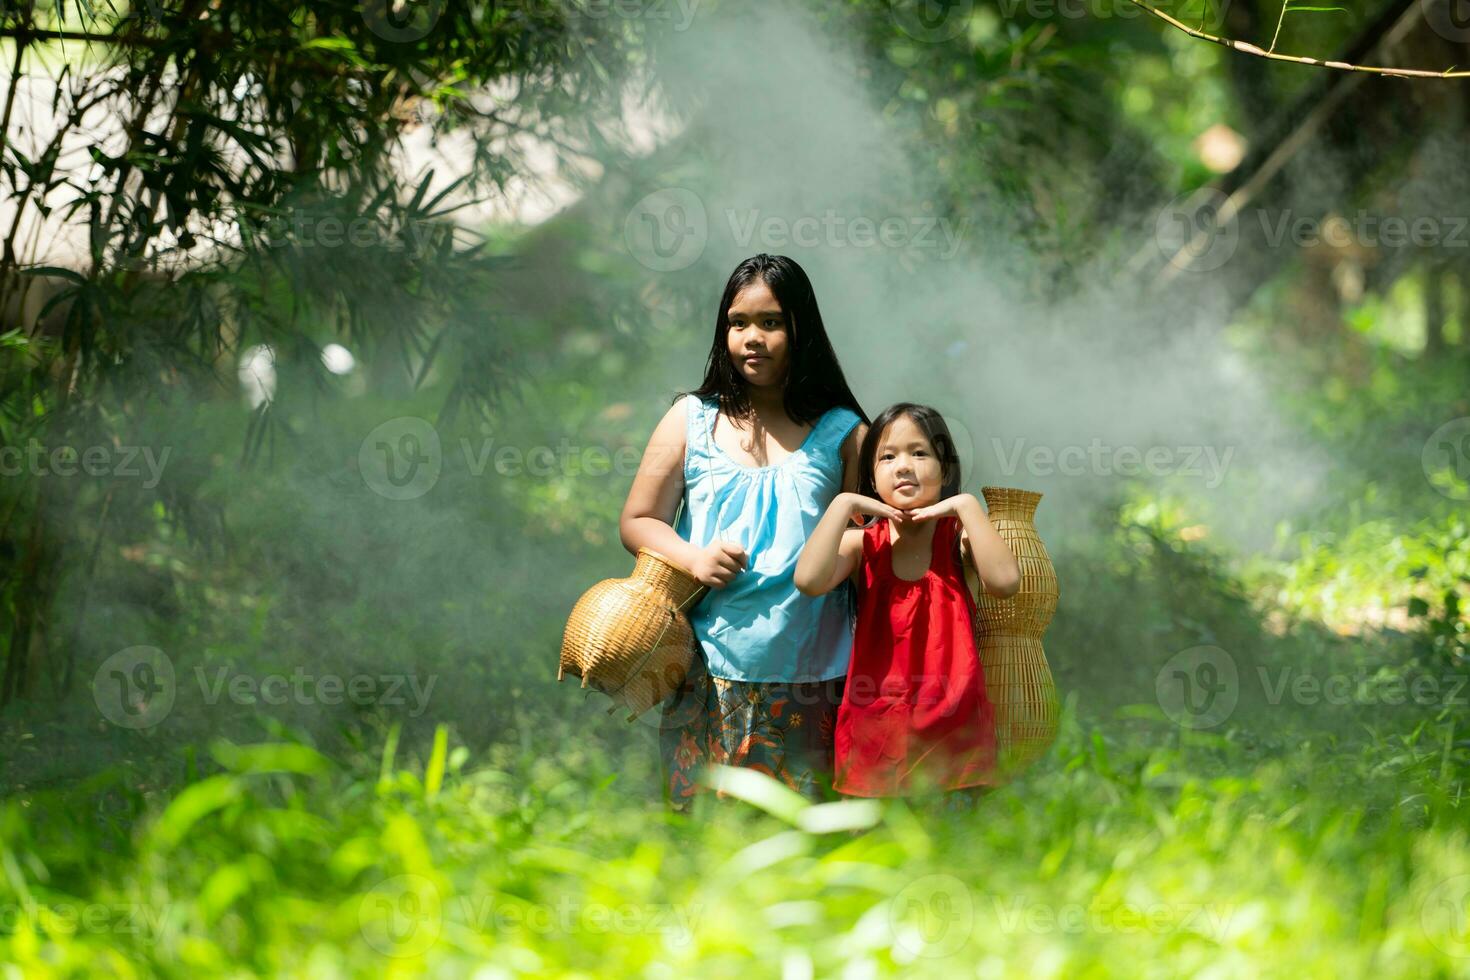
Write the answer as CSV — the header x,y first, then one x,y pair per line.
x,y
847,552
833,550
647,520
1000,573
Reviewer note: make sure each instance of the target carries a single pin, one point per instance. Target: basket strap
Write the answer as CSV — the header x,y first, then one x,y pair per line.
x,y
696,428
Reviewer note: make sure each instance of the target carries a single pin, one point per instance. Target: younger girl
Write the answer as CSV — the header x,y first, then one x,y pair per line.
x,y
915,713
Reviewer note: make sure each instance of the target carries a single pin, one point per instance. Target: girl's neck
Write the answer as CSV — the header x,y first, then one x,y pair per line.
x,y
766,402
916,532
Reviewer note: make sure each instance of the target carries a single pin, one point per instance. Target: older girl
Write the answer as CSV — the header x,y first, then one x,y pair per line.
x,y
752,458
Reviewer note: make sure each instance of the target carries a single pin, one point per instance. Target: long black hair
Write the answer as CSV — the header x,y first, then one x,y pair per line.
x,y
814,380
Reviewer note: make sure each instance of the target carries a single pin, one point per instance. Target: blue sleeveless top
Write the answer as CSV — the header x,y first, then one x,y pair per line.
x,y
759,627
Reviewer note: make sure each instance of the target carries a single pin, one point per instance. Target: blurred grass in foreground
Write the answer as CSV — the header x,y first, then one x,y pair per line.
x,y
1137,848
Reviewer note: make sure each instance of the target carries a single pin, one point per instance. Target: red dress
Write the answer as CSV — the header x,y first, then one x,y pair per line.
x,y
914,709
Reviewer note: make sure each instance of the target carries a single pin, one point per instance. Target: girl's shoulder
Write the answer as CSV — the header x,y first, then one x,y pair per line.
x,y
842,416
833,426
874,530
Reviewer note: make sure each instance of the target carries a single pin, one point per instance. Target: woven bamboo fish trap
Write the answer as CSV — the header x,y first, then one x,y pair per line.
x,y
629,637
1008,632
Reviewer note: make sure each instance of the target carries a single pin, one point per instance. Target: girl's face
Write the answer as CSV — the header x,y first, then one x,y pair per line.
x,y
906,471
757,338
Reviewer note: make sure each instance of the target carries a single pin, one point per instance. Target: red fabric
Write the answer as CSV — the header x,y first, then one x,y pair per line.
x,y
914,711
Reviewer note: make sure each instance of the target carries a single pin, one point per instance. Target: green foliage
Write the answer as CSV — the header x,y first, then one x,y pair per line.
x,y
1169,850
514,828
254,196
1375,574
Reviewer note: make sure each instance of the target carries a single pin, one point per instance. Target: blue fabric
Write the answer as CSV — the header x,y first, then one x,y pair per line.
x,y
759,627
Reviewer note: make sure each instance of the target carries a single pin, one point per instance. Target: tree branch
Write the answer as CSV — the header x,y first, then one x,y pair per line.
x,y
1245,47
26,34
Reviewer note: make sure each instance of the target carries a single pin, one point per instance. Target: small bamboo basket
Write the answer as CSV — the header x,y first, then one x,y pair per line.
x,y
629,637
1008,633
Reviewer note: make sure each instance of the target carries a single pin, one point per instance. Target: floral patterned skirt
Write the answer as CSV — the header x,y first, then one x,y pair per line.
x,y
782,729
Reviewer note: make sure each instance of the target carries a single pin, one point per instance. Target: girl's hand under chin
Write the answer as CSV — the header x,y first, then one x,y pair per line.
x,y
857,504
950,505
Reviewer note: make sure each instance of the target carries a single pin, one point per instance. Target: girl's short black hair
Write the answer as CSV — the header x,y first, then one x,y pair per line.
x,y
934,428
932,425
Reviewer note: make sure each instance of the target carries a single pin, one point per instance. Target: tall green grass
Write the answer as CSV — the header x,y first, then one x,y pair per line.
x,y
1135,848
